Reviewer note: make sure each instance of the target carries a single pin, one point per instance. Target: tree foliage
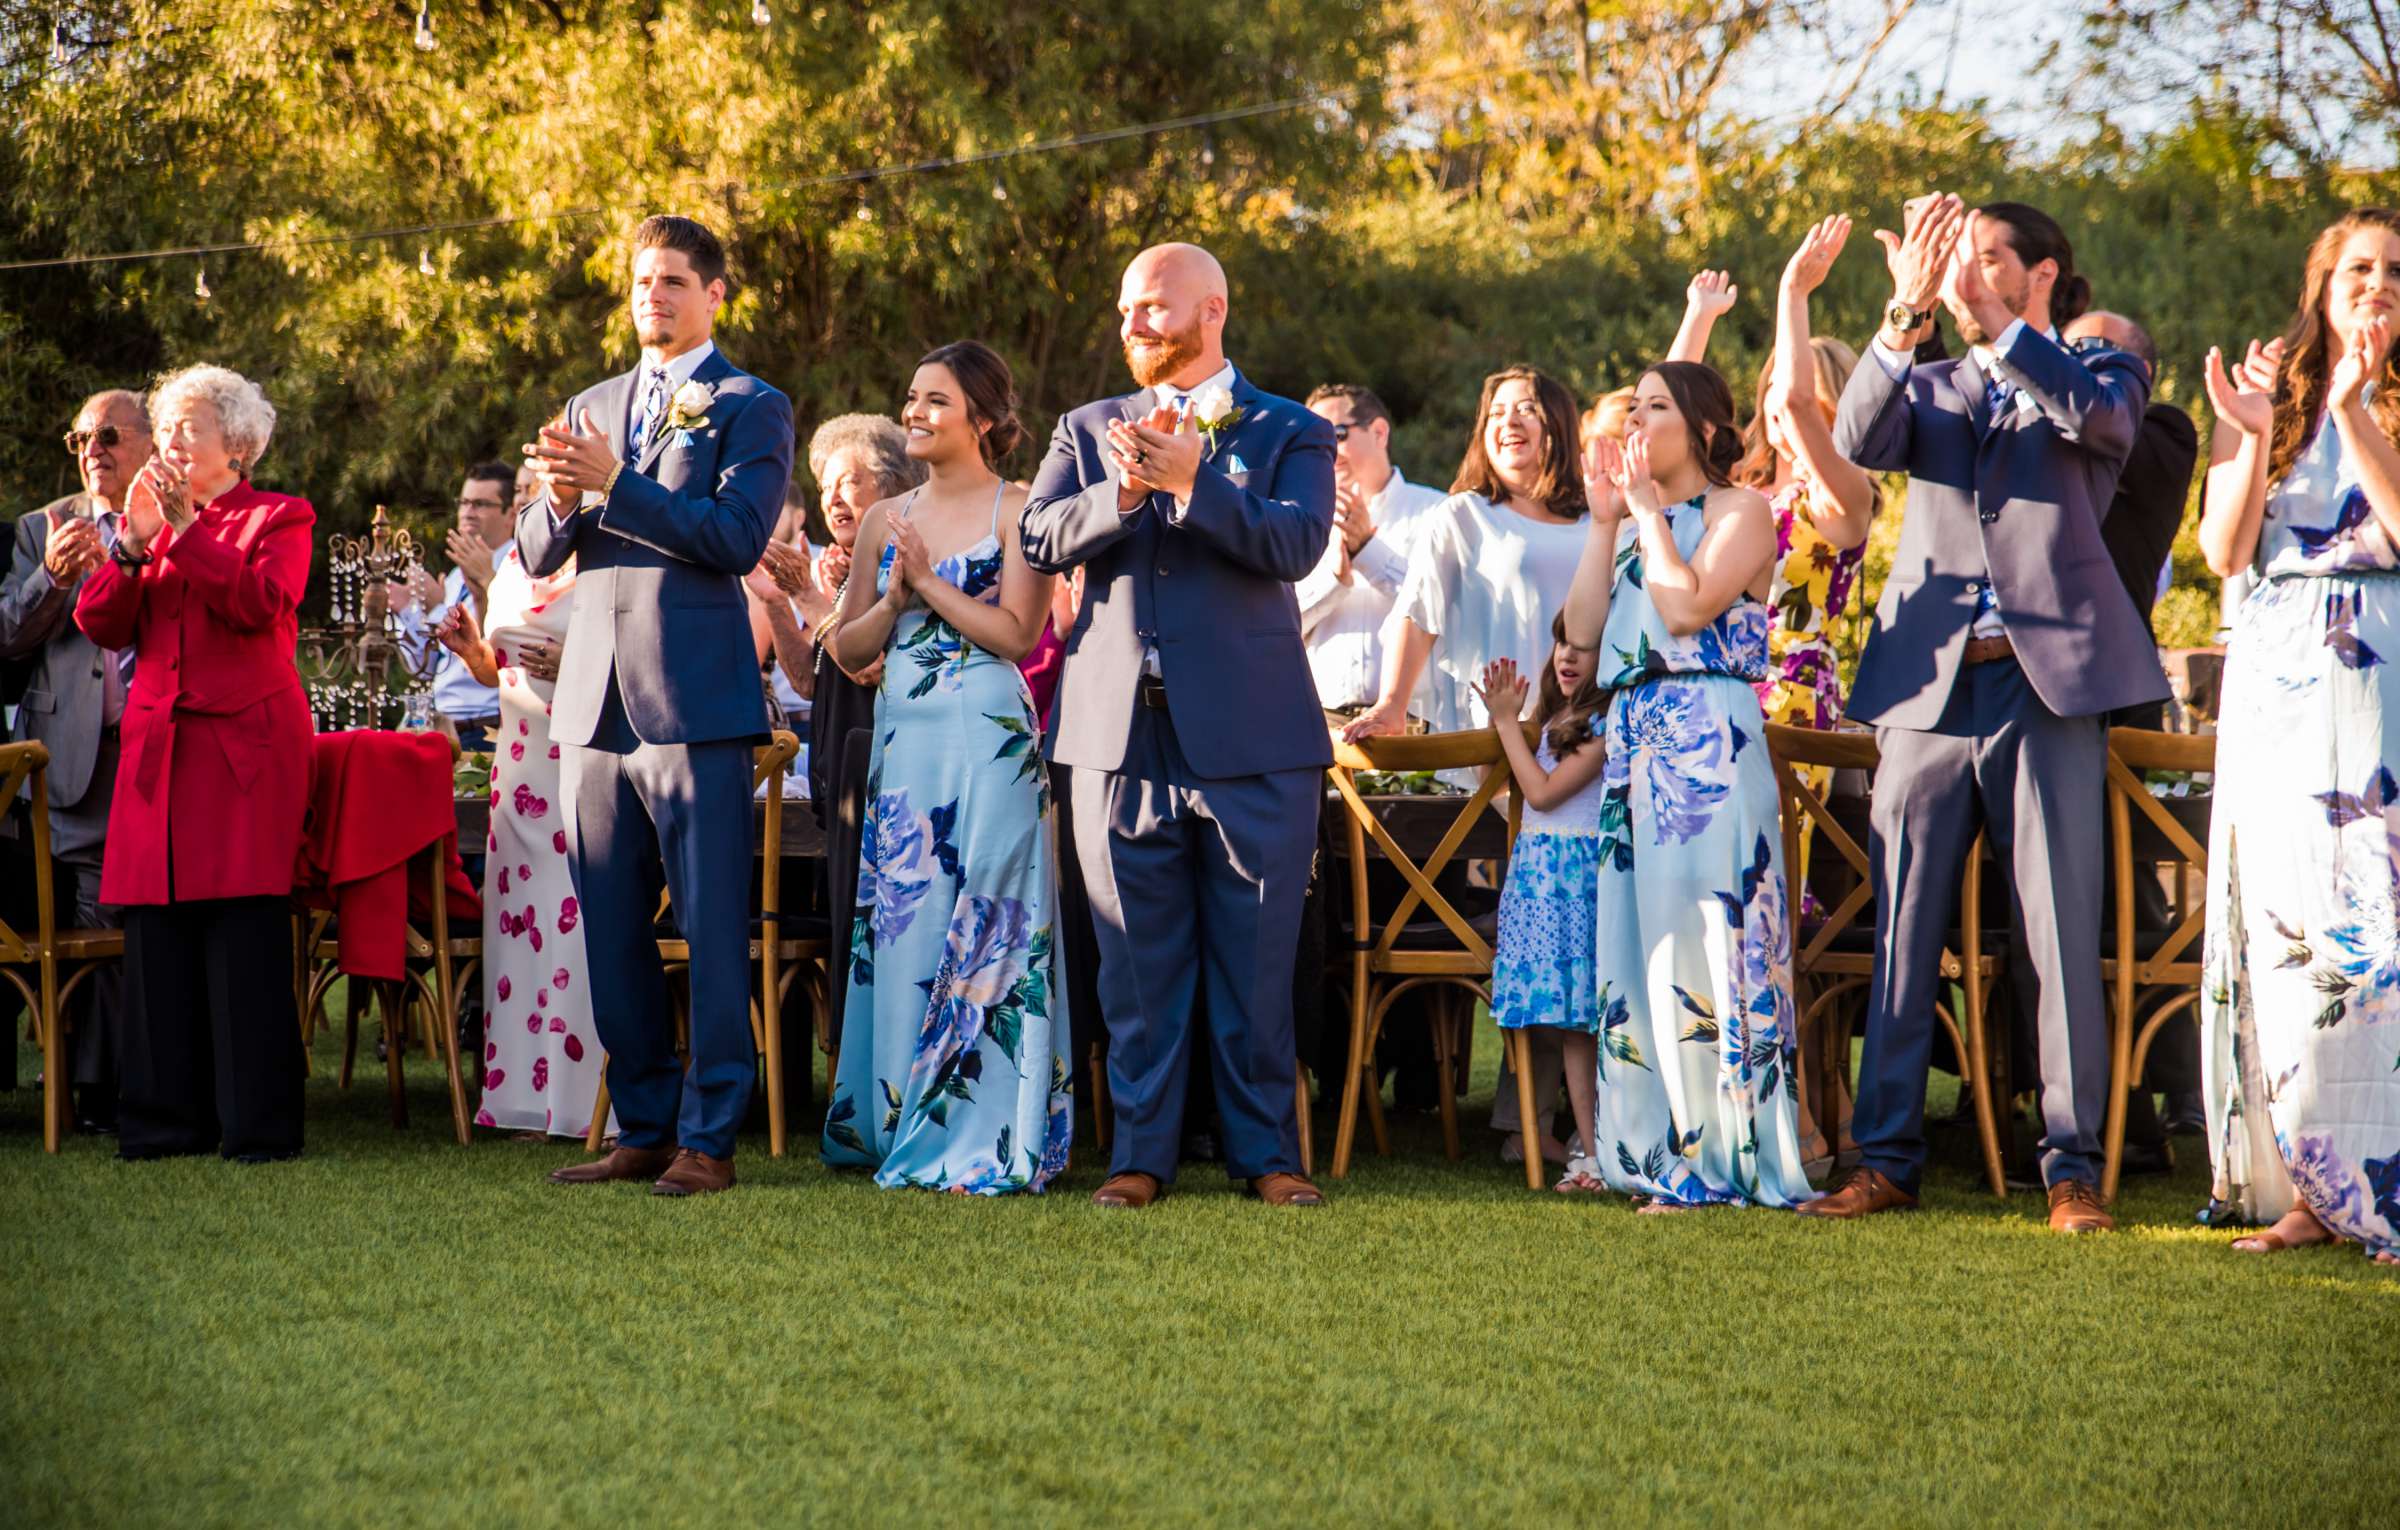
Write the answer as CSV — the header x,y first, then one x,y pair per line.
x,y
1473,182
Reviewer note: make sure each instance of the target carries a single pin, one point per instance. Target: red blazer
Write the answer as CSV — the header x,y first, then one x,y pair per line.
x,y
217,732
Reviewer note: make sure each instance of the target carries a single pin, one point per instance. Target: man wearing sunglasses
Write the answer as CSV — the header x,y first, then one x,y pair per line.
x,y
74,698
1378,515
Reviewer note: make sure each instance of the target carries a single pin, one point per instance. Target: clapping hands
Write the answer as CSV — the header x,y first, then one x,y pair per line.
x,y
160,499
2361,362
1503,691
74,549
1155,454
2244,395
1603,462
459,632
911,566
1807,269
1919,258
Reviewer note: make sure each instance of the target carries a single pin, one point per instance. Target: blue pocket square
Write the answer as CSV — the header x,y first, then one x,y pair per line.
x,y
1234,464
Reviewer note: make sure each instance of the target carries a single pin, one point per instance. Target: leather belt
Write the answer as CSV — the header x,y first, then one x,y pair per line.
x,y
1983,650
1152,693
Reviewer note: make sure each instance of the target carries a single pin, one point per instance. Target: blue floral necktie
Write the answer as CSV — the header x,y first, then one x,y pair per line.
x,y
646,416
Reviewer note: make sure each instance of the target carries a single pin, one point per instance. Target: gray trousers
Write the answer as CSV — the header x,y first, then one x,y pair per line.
x,y
2000,760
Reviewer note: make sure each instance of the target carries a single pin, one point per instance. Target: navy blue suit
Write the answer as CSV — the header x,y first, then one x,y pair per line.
x,y
657,710
1194,797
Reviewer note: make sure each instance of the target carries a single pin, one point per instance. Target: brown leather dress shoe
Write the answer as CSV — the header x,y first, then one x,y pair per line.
x,y
694,1173
1866,1192
1129,1191
1286,1190
2075,1208
621,1163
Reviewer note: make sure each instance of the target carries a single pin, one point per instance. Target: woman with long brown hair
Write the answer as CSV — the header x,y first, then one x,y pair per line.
x,y
1696,1101
1493,564
2302,986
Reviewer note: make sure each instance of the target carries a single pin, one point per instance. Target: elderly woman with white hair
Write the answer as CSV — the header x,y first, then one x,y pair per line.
x,y
202,588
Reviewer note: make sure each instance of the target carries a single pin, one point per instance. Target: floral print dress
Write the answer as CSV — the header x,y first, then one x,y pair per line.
x,y
1697,1098
1811,590
1549,907
2301,998
541,1052
954,1057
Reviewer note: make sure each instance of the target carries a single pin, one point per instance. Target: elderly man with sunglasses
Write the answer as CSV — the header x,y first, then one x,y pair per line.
x,y
74,697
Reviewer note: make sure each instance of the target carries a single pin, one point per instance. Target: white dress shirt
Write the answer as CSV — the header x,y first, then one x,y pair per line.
x,y
457,694
1343,619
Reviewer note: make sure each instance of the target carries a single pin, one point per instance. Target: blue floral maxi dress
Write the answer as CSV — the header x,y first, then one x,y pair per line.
x,y
2301,998
1542,967
954,1075
1697,1099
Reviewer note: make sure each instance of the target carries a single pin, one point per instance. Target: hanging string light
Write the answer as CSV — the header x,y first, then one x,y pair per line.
x,y
424,261
760,16
425,41
59,57
200,290
999,192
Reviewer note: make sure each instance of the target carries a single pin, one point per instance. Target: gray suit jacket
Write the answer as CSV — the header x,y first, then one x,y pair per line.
x,y
1212,581
2017,501
659,563
63,699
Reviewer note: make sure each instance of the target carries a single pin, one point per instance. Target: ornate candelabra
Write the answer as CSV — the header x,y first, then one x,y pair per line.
x,y
362,665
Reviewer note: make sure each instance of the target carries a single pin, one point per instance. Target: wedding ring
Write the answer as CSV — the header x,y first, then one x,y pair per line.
x,y
1141,454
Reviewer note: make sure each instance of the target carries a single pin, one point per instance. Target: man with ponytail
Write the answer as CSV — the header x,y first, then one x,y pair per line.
x,y
2003,641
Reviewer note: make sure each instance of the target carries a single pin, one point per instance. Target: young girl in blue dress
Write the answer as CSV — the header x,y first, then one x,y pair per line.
x,y
1542,971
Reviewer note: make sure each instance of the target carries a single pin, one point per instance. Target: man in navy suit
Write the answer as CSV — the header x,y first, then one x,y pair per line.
x,y
663,484
2003,641
1188,720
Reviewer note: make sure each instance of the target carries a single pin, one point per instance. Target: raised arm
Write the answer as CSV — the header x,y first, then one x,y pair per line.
x,y
1588,597
1872,424
1709,298
2376,459
2233,497
1845,509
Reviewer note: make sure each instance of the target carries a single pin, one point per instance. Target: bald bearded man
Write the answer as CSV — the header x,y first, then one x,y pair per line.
x,y
1187,720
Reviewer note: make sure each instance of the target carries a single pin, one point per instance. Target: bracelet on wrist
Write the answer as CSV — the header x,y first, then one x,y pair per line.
x,y
611,482
125,559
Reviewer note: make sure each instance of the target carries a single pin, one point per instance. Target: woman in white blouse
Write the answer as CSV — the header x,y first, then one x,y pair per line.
x,y
1486,577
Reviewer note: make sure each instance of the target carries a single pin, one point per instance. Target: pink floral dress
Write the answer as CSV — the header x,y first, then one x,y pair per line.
x,y
541,1055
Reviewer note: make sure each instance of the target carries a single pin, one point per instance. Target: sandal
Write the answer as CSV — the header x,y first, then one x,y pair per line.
x,y
1582,1177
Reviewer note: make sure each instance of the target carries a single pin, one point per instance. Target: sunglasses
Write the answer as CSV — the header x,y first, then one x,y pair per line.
x,y
1342,429
107,437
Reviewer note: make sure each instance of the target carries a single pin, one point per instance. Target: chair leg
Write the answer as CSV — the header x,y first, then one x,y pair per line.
x,y
354,1006
771,1022
395,1050
599,1127
55,1095
1987,1127
1345,1126
445,1015
2120,1093
1104,1111
1445,1046
1520,1045
1308,1145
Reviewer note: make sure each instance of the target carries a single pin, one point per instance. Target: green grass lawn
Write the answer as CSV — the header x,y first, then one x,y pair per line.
x,y
394,1329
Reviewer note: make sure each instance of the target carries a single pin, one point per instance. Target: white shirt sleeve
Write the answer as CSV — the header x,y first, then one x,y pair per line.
x,y
1383,564
1896,364
1316,589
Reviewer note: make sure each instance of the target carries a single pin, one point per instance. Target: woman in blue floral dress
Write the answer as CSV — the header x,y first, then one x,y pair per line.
x,y
953,1071
1696,1102
2301,996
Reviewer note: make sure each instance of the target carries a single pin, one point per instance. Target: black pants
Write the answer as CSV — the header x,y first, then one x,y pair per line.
x,y
212,1038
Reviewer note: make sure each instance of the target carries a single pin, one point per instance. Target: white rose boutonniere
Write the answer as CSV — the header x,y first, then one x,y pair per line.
x,y
688,410
1213,411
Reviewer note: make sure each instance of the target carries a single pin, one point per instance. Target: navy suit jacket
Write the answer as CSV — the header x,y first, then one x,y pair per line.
x,y
1212,581
2018,501
659,564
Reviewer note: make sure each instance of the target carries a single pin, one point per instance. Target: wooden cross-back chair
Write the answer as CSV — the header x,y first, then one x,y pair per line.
x,y
47,964
440,963
2144,961
779,958
1834,959
1400,952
